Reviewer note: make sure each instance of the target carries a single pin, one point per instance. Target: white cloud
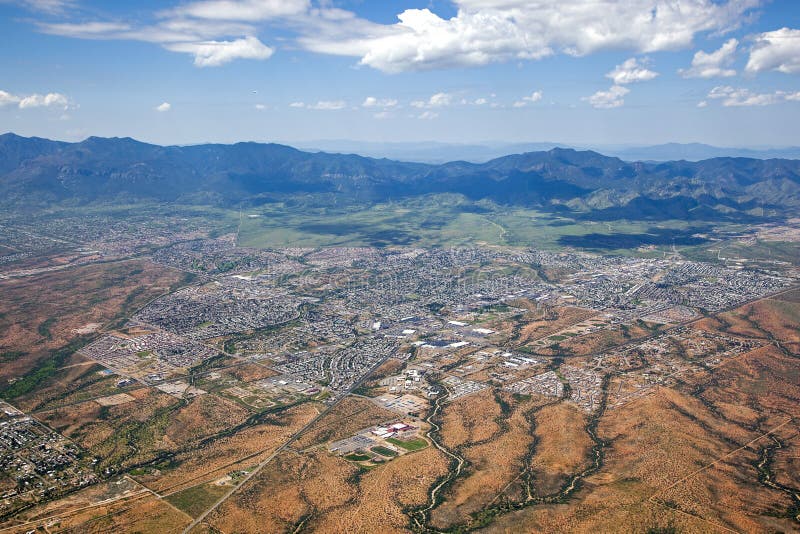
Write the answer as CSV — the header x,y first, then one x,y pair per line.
x,y
187,30
485,31
86,30
439,100
8,98
39,101
260,107
713,64
778,50
163,107
298,105
383,115
372,102
248,10
631,71
427,115
613,98
328,105
35,100
209,41
51,7
216,53
702,104
530,99
737,97
481,32
480,102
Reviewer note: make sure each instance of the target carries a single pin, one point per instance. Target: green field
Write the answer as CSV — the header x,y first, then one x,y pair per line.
x,y
443,220
760,252
434,220
410,445
383,451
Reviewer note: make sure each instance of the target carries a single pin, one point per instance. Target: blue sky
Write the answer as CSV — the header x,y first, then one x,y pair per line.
x,y
596,72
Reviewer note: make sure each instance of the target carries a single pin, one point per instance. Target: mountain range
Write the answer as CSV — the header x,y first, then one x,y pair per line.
x,y
40,172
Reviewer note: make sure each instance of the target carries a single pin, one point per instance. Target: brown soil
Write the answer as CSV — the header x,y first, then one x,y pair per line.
x,y
496,462
242,450
562,446
470,419
289,488
40,313
564,317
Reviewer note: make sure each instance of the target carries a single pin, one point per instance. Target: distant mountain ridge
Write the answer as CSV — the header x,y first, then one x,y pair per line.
x,y
437,152
700,151
40,172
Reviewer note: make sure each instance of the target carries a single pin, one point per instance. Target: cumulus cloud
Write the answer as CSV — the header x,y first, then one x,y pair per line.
x,y
216,53
631,71
702,104
298,105
713,64
372,102
613,98
738,97
163,107
530,99
439,100
481,32
328,105
427,115
485,31
40,101
7,98
34,100
778,50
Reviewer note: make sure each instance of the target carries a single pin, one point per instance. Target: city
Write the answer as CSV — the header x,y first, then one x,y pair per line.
x,y
409,330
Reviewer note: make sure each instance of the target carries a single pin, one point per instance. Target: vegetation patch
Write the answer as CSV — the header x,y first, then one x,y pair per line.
x,y
44,370
383,451
194,501
45,326
10,356
415,444
355,457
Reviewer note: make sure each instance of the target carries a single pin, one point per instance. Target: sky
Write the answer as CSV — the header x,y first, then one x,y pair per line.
x,y
589,72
